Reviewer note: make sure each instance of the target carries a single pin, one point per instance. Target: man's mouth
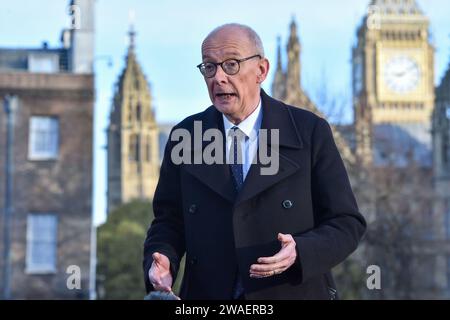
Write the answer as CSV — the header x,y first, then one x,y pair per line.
x,y
226,95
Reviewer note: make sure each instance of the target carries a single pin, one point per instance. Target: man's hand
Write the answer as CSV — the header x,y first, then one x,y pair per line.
x,y
283,260
159,273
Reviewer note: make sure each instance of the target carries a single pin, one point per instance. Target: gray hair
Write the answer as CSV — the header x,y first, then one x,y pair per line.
x,y
251,34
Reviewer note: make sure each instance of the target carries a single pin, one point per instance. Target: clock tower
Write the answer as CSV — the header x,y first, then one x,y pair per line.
x,y
393,88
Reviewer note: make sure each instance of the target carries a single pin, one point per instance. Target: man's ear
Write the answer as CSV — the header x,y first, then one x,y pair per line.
x,y
263,70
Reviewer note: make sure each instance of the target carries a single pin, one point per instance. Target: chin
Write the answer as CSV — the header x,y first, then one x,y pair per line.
x,y
226,108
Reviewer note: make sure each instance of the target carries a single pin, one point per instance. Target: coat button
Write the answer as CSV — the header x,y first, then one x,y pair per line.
x,y
193,261
193,209
287,204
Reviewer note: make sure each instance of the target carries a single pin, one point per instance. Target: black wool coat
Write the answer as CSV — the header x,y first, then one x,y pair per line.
x,y
198,212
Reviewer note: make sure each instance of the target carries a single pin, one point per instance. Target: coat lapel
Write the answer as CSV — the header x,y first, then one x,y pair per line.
x,y
216,176
275,116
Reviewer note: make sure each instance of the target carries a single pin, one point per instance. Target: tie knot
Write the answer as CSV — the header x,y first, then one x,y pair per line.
x,y
238,133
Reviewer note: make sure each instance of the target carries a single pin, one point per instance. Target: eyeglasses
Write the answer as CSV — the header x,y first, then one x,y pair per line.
x,y
229,66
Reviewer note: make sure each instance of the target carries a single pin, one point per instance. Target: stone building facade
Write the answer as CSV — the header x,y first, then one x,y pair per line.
x,y
52,93
388,149
441,178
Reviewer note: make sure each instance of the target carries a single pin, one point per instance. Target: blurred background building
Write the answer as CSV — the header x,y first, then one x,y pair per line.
x,y
48,198
388,149
133,141
441,179
396,150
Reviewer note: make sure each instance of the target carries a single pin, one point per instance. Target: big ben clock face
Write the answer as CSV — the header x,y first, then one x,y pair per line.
x,y
402,74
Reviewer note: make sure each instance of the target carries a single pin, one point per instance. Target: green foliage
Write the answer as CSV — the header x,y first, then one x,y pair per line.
x,y
119,248
350,279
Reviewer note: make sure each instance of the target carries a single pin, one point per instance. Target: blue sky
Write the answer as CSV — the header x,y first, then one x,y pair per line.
x,y
169,35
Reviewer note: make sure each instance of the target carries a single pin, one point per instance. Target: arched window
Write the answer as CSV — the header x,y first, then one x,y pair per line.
x,y
137,154
148,153
131,146
138,112
134,148
130,111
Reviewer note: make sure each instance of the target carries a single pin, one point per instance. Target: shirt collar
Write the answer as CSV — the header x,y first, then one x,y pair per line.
x,y
250,126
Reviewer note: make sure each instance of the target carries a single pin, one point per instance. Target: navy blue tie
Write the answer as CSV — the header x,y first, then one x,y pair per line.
x,y
238,175
236,158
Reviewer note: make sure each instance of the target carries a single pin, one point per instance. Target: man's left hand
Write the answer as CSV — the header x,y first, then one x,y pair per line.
x,y
280,262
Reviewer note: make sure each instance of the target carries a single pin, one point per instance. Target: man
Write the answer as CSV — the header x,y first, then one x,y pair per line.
x,y
249,235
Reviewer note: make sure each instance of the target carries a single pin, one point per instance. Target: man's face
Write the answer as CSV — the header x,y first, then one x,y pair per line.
x,y
237,95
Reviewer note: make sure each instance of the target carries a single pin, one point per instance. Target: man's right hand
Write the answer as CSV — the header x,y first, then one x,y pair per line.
x,y
159,273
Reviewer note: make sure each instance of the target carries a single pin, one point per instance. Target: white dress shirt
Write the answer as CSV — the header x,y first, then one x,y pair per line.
x,y
249,147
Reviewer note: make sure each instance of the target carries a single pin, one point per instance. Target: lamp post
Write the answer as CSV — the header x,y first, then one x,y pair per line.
x,y
10,107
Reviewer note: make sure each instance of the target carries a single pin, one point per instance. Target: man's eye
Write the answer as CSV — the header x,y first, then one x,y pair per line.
x,y
231,64
209,67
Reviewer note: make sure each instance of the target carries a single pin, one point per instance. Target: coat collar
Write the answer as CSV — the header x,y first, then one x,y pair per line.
x,y
276,115
208,174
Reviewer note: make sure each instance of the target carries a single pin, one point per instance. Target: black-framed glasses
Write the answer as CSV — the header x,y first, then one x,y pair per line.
x,y
229,66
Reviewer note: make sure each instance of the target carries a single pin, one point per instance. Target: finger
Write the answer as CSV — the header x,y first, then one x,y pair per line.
x,y
161,261
285,251
281,255
287,242
269,267
276,268
260,275
156,273
268,273
160,285
156,257
154,276
279,262
162,288
284,238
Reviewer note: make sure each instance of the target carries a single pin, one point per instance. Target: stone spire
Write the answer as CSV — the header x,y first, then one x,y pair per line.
x,y
132,38
133,80
278,85
133,143
293,82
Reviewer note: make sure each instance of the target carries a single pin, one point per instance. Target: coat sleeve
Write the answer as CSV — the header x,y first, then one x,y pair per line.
x,y
166,233
338,225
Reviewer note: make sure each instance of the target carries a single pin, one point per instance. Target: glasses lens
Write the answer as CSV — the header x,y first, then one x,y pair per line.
x,y
231,66
209,69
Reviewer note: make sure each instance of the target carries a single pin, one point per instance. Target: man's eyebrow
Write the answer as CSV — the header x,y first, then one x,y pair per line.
x,y
229,55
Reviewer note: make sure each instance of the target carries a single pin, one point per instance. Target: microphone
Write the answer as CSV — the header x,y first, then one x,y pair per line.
x,y
161,295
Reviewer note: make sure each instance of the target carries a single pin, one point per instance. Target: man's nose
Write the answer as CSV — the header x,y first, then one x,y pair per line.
x,y
220,76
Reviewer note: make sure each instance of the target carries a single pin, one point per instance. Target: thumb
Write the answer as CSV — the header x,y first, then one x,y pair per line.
x,y
161,260
156,256
283,238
